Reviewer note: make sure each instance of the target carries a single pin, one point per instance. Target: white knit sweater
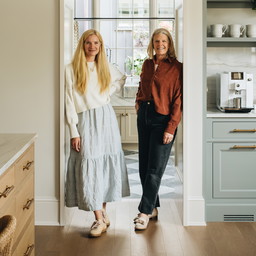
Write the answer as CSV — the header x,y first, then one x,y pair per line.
x,y
77,102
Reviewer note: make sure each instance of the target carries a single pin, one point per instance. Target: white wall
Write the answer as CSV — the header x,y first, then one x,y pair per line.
x,y
29,95
29,98
194,205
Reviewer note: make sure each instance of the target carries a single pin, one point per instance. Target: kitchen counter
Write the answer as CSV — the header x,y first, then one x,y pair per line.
x,y
12,146
118,100
212,112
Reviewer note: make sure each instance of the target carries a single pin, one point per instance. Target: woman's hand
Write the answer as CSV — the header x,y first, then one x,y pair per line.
x,y
167,138
137,106
75,143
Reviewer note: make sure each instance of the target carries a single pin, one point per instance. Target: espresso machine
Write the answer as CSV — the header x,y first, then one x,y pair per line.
x,y
234,92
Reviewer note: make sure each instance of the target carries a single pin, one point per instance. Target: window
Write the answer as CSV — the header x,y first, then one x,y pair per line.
x,y
126,26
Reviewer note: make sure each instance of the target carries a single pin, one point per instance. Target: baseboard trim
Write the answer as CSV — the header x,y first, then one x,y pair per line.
x,y
47,212
196,211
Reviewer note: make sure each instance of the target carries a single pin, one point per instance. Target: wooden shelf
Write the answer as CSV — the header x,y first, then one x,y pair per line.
x,y
229,4
231,42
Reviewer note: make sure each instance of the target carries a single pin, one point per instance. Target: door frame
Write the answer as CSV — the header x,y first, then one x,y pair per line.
x,y
193,112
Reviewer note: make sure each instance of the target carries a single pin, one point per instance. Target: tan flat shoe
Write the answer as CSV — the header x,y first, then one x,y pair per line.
x,y
153,215
141,223
97,228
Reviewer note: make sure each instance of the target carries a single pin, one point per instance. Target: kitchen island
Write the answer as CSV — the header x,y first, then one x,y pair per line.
x,y
17,188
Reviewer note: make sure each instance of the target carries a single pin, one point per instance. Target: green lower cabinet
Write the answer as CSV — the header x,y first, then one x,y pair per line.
x,y
234,170
230,170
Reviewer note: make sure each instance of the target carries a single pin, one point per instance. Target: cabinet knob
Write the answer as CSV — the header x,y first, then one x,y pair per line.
x,y
123,114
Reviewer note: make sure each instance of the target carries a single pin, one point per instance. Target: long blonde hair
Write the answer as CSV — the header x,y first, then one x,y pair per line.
x,y
80,65
171,51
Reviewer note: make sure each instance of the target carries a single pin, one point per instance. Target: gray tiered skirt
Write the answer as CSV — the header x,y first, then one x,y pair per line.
x,y
98,172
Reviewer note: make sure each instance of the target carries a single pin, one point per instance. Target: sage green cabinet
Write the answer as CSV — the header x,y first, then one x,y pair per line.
x,y
234,170
230,169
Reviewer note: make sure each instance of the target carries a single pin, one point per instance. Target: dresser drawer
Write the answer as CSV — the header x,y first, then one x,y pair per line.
x,y
7,186
25,165
9,208
25,204
26,245
236,130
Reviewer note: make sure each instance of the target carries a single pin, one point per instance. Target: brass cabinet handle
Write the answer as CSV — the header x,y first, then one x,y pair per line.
x,y
244,130
29,250
244,147
28,204
123,114
7,191
27,166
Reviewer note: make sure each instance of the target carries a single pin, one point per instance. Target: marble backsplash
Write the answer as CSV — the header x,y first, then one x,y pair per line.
x,y
221,59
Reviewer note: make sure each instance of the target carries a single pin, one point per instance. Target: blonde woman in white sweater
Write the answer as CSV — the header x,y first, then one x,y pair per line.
x,y
96,172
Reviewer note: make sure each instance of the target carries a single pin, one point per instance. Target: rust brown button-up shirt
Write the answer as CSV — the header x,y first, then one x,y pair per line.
x,y
164,87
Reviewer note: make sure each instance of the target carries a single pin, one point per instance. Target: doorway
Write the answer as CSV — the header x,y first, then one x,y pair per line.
x,y
174,168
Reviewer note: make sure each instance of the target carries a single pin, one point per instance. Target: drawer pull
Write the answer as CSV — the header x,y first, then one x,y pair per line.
x,y
7,191
29,250
28,204
244,147
244,130
27,166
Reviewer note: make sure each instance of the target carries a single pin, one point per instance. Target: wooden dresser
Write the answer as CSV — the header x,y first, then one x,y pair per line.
x,y
17,188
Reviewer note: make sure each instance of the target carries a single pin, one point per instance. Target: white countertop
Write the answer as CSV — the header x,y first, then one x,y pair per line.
x,y
12,146
117,100
212,112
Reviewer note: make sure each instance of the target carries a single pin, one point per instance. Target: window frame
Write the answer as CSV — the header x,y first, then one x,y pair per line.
x,y
152,19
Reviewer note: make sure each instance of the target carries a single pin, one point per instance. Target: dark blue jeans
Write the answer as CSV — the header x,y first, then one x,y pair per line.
x,y
153,154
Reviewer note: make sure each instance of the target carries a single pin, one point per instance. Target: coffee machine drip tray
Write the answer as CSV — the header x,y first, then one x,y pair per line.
x,y
236,110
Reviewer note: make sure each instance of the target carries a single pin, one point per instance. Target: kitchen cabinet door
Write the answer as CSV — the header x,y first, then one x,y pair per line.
x,y
234,170
127,121
131,126
120,116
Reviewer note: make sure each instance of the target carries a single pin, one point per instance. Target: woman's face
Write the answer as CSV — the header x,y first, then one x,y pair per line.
x,y
161,45
91,47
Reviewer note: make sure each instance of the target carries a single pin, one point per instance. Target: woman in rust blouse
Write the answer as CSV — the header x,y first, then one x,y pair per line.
x,y
159,107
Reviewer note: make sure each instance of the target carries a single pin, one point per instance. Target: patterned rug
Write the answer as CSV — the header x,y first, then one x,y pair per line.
x,y
171,187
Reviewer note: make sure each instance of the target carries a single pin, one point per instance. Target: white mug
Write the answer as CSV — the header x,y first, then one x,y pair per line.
x,y
218,30
251,30
236,30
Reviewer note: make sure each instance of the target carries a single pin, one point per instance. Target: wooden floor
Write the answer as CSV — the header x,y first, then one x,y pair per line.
x,y
165,237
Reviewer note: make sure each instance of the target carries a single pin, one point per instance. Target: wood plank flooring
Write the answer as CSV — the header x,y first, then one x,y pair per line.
x,y
164,237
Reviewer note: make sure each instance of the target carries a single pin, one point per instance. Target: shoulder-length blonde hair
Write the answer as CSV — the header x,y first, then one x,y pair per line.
x,y
171,51
80,66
